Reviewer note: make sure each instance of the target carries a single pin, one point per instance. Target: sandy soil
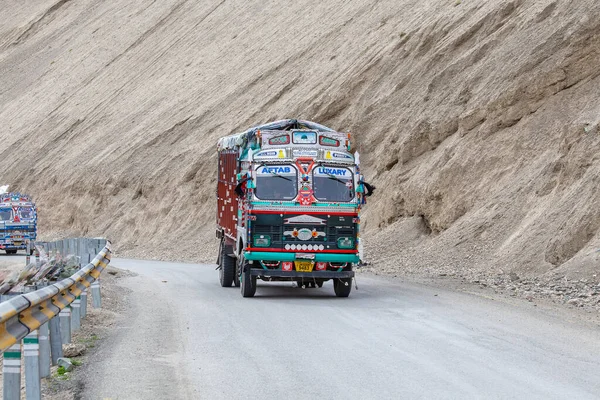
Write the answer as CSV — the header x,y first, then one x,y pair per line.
x,y
477,121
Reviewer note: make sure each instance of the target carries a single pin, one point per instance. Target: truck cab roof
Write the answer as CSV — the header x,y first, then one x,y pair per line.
x,y
290,139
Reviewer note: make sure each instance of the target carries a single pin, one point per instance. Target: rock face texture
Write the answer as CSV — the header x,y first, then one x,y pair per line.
x,y
477,121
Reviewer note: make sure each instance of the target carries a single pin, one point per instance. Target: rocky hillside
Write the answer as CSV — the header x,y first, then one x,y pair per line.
x,y
477,121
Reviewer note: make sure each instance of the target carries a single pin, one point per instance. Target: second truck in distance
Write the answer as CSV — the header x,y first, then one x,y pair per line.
x,y
18,222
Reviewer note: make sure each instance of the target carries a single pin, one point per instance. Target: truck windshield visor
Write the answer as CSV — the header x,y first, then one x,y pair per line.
x,y
26,213
5,214
333,184
276,182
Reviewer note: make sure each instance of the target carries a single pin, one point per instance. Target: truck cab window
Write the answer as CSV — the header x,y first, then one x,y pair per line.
x,y
276,182
5,214
26,213
333,184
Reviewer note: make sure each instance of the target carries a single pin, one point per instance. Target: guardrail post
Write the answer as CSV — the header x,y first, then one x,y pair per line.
x,y
96,301
55,340
37,256
44,350
76,314
65,325
28,250
84,301
11,373
31,350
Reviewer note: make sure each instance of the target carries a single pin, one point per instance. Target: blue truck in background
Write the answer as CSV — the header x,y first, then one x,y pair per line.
x,y
18,222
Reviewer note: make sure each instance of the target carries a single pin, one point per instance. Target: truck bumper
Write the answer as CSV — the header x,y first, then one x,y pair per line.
x,y
293,274
13,247
319,257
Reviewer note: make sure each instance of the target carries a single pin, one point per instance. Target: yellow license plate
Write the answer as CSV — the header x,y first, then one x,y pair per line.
x,y
304,266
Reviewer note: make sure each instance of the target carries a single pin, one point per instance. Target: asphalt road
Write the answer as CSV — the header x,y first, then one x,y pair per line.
x,y
185,337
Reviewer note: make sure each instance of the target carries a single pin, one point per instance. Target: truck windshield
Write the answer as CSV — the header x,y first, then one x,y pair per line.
x,y
333,184
276,182
5,214
26,213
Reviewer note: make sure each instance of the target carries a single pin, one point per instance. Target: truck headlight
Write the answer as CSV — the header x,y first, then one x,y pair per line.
x,y
345,243
262,240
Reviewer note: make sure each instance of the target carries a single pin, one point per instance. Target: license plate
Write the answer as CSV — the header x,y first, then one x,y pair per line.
x,y
304,266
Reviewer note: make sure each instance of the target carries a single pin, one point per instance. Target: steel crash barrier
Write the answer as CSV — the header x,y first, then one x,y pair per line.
x,y
30,318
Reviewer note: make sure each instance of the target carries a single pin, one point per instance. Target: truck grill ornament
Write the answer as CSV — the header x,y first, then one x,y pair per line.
x,y
305,219
304,234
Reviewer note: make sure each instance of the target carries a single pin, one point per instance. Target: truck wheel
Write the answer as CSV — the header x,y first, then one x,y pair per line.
x,y
227,267
11,251
236,275
248,283
340,288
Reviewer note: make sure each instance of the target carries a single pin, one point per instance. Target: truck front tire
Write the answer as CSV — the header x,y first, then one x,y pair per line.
x,y
226,266
239,265
248,282
342,287
236,275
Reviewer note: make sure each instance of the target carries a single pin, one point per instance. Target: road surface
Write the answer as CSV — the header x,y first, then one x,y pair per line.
x,y
185,337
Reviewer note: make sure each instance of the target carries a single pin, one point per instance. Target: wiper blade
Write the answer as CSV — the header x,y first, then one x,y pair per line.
x,y
280,176
335,178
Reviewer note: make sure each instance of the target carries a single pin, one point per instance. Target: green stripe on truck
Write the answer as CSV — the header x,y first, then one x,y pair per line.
x,y
319,257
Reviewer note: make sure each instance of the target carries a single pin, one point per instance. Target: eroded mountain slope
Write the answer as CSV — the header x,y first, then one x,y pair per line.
x,y
477,121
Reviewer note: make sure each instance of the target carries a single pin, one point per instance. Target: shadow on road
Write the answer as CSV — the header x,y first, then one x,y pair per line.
x,y
281,290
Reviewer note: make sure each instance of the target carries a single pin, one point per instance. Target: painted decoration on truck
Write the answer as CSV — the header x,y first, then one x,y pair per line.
x,y
327,141
333,172
278,140
305,153
305,196
276,170
304,234
266,154
336,155
305,219
304,137
341,156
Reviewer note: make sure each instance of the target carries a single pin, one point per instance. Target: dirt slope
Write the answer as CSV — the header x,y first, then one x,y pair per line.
x,y
478,121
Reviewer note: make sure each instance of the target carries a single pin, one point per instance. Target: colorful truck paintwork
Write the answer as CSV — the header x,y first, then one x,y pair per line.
x,y
289,195
18,222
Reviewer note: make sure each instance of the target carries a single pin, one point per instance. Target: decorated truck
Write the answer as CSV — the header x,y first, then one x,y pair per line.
x,y
289,194
18,222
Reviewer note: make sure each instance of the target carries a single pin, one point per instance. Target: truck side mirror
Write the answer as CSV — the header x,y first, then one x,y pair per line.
x,y
238,189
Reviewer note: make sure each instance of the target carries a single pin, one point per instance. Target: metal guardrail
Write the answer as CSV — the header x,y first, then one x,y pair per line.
x,y
22,315
53,261
84,248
